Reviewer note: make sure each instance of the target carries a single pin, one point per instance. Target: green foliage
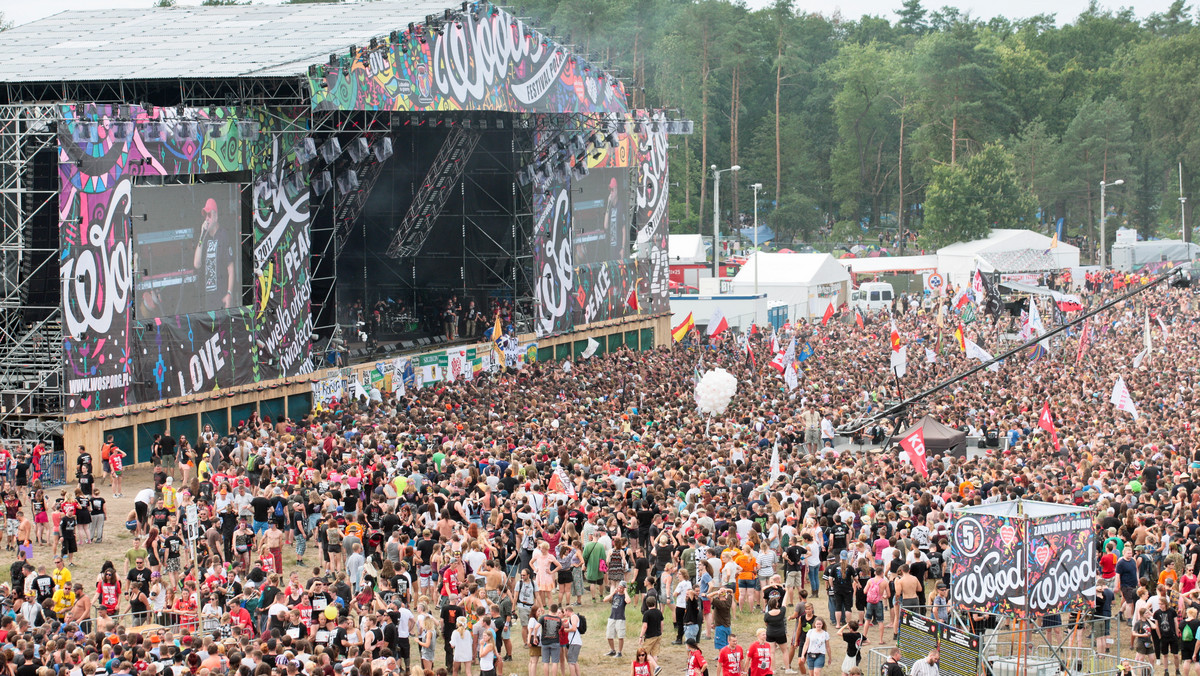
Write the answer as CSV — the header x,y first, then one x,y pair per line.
x,y
164,3
223,3
846,232
966,201
844,119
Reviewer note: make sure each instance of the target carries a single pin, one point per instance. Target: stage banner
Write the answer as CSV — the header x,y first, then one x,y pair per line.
x,y
987,564
189,354
97,167
327,390
490,61
430,369
1063,547
282,288
554,291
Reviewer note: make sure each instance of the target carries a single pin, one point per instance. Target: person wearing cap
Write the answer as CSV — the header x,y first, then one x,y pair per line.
x,y
213,259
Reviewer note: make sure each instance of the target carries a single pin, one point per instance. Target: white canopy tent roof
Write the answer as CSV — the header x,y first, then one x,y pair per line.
x,y
1006,248
686,250
806,282
872,266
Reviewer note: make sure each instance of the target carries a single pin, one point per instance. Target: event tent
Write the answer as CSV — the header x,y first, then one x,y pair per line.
x,y
939,439
807,283
686,250
1007,252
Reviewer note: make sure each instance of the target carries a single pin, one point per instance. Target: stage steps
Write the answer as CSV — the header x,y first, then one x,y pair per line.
x,y
431,197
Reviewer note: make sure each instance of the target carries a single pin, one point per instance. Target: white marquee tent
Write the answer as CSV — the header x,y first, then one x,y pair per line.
x,y
686,249
1005,251
806,282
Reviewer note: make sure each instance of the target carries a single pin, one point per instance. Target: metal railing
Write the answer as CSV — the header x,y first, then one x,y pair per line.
x,y
54,469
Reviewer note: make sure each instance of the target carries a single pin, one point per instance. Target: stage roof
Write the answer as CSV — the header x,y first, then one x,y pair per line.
x,y
197,42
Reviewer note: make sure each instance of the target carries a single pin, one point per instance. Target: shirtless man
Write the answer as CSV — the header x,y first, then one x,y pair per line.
x,y
495,580
81,613
272,544
24,534
907,587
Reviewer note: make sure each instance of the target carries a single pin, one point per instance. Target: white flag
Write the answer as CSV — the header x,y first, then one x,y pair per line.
x,y
900,361
1122,400
1139,358
976,352
930,356
1147,344
790,377
359,391
592,346
774,465
1162,326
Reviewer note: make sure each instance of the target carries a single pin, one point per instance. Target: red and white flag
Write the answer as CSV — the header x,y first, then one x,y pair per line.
x,y
1046,422
1122,399
894,337
961,298
858,318
914,445
828,314
717,324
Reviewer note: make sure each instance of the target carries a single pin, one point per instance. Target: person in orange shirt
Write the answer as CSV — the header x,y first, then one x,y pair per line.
x,y
747,578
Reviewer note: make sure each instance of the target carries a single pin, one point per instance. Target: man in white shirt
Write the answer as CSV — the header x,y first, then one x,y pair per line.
x,y
926,666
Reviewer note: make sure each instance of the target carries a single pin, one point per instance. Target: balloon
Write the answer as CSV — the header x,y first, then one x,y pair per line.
x,y
715,390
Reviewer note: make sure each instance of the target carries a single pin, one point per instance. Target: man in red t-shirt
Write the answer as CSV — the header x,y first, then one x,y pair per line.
x,y
1108,562
760,655
697,665
731,657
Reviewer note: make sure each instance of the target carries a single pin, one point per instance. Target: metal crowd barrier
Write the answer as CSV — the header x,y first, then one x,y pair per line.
x,y
54,469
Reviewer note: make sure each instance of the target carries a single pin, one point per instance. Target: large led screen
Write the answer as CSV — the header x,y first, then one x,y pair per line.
x,y
187,257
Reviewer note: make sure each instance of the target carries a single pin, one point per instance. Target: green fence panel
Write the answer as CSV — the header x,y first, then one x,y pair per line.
x,y
145,438
275,409
300,405
218,419
185,426
241,413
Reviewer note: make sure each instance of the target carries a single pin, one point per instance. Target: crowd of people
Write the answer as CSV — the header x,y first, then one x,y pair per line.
x,y
478,525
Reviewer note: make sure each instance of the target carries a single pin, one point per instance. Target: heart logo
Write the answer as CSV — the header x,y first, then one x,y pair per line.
x,y
1042,554
1008,534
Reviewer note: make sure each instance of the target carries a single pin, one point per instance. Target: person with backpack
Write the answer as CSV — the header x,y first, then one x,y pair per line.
x,y
876,588
575,627
552,638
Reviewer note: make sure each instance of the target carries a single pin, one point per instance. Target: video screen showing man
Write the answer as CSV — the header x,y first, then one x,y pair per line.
x,y
601,217
186,254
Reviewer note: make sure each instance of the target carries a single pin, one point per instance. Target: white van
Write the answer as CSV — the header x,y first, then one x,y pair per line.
x,y
872,297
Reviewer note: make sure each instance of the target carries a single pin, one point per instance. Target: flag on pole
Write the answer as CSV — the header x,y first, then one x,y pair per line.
x,y
1139,358
914,447
1046,422
717,324
750,352
790,377
828,314
632,300
930,356
804,354
774,341
1067,302
976,352
592,346
894,337
899,362
961,298
960,337
1121,399
685,327
1162,326
858,318
1083,340
774,465
977,286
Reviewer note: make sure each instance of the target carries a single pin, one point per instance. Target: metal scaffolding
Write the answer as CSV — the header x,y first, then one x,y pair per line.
x,y
31,360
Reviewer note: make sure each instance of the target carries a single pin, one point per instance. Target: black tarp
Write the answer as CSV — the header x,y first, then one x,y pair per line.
x,y
939,439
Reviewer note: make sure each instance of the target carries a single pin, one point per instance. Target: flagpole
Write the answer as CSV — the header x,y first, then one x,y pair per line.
x,y
863,423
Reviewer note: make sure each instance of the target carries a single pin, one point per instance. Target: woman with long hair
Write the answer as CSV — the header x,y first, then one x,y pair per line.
x,y
427,640
544,568
41,517
461,644
152,553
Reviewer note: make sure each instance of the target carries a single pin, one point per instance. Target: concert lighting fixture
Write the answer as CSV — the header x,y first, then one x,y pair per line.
x,y
358,149
321,183
347,181
213,128
186,129
499,122
412,27
121,131
353,52
306,150
296,182
331,149
447,15
383,149
333,61
464,7
394,37
81,134
247,130
154,131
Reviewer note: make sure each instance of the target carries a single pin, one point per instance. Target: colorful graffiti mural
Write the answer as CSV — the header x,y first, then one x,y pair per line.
x,y
566,294
112,359
495,63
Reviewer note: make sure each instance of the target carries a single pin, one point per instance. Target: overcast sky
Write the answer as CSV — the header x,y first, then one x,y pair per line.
x,y
25,11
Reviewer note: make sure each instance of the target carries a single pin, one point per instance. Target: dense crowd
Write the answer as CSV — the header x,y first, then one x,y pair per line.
x,y
464,526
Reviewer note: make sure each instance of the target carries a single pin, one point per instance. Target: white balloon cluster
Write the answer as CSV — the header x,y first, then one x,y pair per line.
x,y
715,390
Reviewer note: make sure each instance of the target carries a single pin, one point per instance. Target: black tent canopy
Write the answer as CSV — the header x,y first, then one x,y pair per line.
x,y
939,439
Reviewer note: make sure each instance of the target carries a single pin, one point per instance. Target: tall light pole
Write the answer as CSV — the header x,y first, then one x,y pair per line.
x,y
717,217
1103,225
756,187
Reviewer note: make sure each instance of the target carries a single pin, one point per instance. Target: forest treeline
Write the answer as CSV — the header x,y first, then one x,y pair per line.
x,y
954,122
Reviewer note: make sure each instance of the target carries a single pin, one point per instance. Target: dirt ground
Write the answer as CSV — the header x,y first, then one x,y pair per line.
x,y
117,540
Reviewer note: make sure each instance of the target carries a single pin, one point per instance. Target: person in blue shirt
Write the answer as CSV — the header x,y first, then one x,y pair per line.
x,y
1127,573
